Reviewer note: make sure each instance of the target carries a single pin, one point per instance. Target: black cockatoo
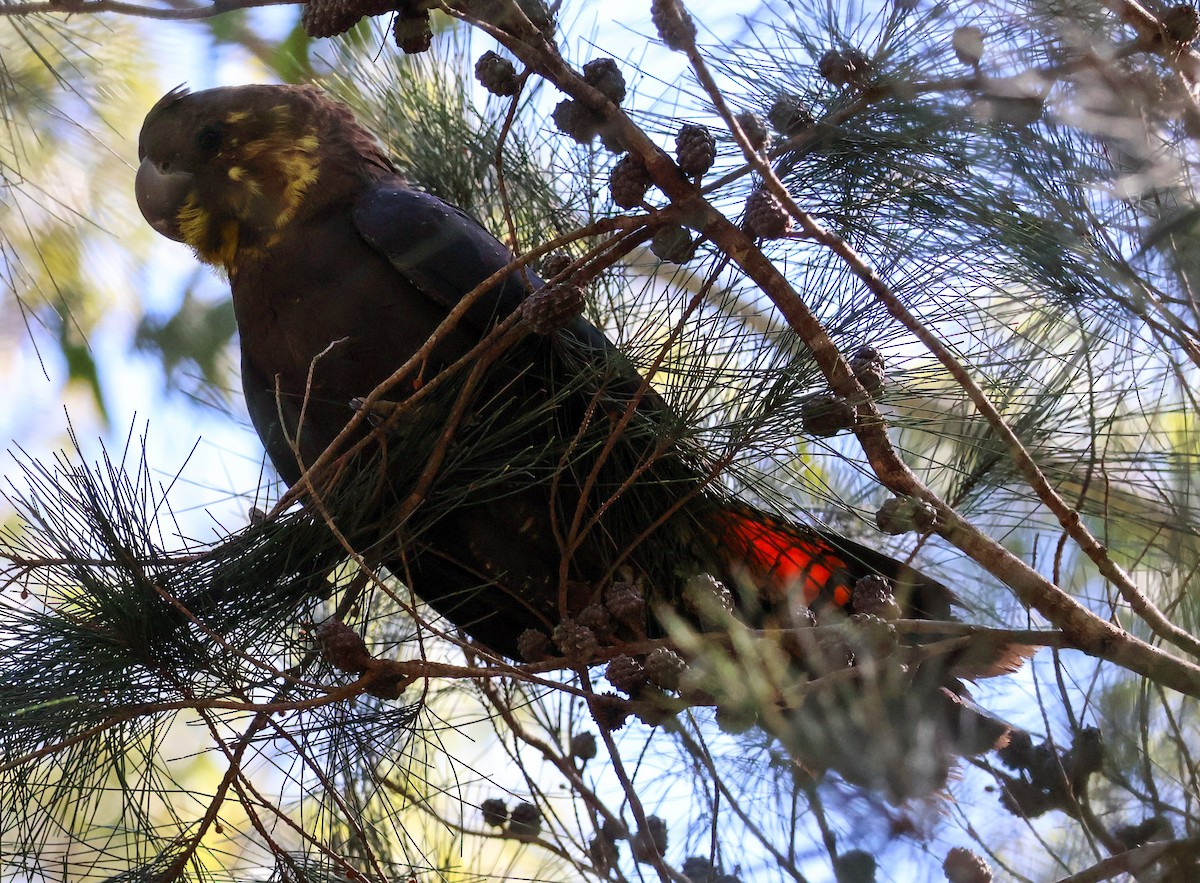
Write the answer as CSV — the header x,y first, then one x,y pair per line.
x,y
575,477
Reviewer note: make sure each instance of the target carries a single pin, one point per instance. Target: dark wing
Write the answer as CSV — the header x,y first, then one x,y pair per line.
x,y
443,251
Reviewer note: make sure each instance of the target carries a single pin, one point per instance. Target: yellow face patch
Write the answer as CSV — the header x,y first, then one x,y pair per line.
x,y
300,170
261,188
195,225
193,222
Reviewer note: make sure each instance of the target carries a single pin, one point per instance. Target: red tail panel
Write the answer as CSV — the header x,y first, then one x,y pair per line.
x,y
782,557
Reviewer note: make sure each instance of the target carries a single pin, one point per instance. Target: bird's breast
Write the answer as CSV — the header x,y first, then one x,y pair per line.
x,y
324,319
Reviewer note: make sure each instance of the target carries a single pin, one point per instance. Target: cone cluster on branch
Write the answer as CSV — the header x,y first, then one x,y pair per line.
x,y
555,264
855,866
553,307
674,24
963,866
766,216
845,67
873,595
904,515
664,668
629,180
754,129
1181,24
627,603
576,642
651,841
573,119
609,711
534,646
495,812
345,650
695,149
622,615
604,854
597,618
626,674
826,415
789,115
525,820
700,869
412,30
497,74
1048,778
583,124
603,75
708,598
583,746
328,18
342,647
867,365
673,244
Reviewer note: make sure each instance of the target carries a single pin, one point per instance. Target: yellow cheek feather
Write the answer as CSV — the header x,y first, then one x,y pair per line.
x,y
195,225
299,169
289,166
265,191
228,243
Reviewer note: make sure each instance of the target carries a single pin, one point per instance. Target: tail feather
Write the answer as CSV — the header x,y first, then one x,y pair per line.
x,y
899,736
969,657
973,730
987,657
898,726
782,559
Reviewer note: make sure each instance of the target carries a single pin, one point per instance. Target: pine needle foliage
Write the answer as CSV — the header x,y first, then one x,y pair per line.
x,y
118,637
65,92
1014,232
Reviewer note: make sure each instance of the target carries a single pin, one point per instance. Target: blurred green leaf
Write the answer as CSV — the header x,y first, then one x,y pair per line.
x,y
196,336
81,364
291,60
